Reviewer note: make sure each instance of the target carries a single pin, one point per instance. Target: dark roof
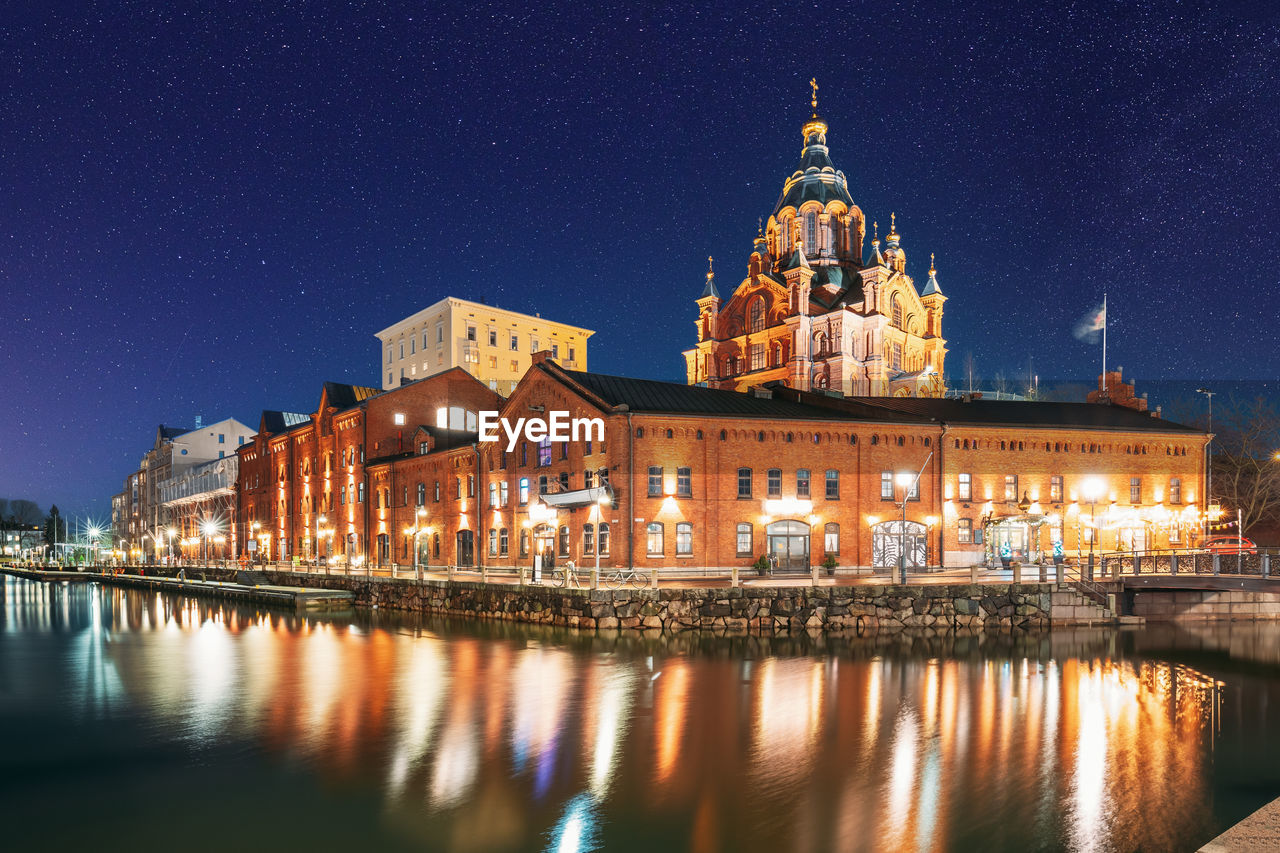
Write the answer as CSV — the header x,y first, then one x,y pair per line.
x,y
173,432
445,439
277,422
1028,413
342,396
710,288
649,395
815,179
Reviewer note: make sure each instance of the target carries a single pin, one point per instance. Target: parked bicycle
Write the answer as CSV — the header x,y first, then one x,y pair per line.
x,y
566,575
621,577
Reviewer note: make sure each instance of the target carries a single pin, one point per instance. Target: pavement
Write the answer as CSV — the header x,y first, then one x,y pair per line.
x,y
1259,831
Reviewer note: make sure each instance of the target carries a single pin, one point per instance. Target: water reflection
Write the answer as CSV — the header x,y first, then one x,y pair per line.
x,y
509,738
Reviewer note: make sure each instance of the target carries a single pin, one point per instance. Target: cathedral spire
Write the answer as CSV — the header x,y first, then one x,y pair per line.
x,y
710,288
813,81
875,259
931,287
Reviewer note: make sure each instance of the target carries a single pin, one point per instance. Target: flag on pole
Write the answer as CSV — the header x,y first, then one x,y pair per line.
x,y
1091,326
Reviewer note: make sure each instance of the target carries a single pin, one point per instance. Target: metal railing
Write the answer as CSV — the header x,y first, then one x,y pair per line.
x,y
1255,561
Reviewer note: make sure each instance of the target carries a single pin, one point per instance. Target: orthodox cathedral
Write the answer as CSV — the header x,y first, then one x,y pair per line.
x,y
813,312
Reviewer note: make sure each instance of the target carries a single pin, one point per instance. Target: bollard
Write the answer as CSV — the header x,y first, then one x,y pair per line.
x,y
1217,564
733,577
1017,572
1266,564
484,574
1173,564
813,574
653,580
449,574
523,576
1044,571
973,573
1060,571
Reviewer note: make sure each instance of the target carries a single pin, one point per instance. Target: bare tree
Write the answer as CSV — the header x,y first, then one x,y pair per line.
x,y
26,513
1246,473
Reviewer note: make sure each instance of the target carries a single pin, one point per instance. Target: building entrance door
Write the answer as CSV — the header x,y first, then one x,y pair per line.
x,y
466,548
789,546
891,538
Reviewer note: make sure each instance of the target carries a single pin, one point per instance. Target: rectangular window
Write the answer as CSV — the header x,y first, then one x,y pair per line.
x,y
471,332
603,531
744,540
493,337
588,539
439,333
964,531
1175,534
655,482
684,482
1011,487
831,538
757,356
1135,490
966,487
773,482
572,354
653,539
1175,491
504,542
886,485
360,493
515,343
684,539
493,494
744,482
544,453
533,345
802,483
524,491
555,351
515,366
503,493
1055,489
222,438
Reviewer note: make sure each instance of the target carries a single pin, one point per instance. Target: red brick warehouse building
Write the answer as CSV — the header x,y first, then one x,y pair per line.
x,y
704,479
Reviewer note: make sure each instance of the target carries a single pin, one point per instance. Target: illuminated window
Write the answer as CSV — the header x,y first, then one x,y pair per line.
x,y
493,542
398,418
653,539
1055,489
1011,487
964,531
802,483
544,453
757,357
831,538
524,491
886,485
966,487
1135,490
684,482
744,539
603,532
684,538
1175,491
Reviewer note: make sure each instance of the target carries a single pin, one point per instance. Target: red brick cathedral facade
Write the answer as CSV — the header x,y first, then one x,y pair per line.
x,y
813,312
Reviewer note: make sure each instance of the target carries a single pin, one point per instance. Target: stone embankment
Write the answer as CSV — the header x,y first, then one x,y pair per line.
x,y
772,610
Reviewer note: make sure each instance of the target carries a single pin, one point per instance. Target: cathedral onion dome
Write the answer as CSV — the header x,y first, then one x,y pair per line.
x,y
816,178
931,287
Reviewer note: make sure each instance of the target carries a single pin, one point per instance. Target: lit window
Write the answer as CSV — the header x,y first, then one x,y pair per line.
x,y
1055,489
604,538
802,483
886,485
398,417
1175,491
831,538
964,531
1135,490
684,538
1011,487
756,323
653,539
966,487
744,539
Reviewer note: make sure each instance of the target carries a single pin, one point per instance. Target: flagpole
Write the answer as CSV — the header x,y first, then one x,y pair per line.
x,y
1104,343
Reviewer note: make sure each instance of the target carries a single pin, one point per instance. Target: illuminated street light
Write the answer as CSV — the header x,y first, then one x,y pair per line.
x,y
1092,489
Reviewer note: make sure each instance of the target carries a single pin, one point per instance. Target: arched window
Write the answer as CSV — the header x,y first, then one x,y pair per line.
x,y
603,538
810,233
896,307
588,539
831,538
524,542
744,546
653,539
684,538
756,318
493,542
564,541
504,542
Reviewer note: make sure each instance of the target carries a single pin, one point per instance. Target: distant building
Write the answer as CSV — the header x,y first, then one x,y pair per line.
x,y
813,312
492,344
139,520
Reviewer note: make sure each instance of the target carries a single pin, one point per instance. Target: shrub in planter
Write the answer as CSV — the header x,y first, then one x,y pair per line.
x,y
829,563
762,565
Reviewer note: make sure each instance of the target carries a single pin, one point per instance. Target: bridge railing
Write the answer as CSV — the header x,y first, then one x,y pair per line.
x,y
1258,562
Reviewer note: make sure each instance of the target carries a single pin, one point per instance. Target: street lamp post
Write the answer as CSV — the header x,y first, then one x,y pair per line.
x,y
1092,491
1208,461
320,519
905,479
416,531
169,534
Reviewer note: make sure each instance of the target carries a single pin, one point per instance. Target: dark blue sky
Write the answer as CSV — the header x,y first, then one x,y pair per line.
x,y
211,209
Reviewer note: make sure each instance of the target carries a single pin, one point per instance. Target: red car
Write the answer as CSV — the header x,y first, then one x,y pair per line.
x,y
1229,545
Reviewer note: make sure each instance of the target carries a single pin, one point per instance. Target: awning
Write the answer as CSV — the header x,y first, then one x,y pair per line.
x,y
578,497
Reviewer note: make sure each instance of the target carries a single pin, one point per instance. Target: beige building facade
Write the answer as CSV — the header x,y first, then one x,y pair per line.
x,y
492,344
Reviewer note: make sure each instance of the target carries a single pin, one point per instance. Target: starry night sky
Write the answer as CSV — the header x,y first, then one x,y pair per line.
x,y
211,208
